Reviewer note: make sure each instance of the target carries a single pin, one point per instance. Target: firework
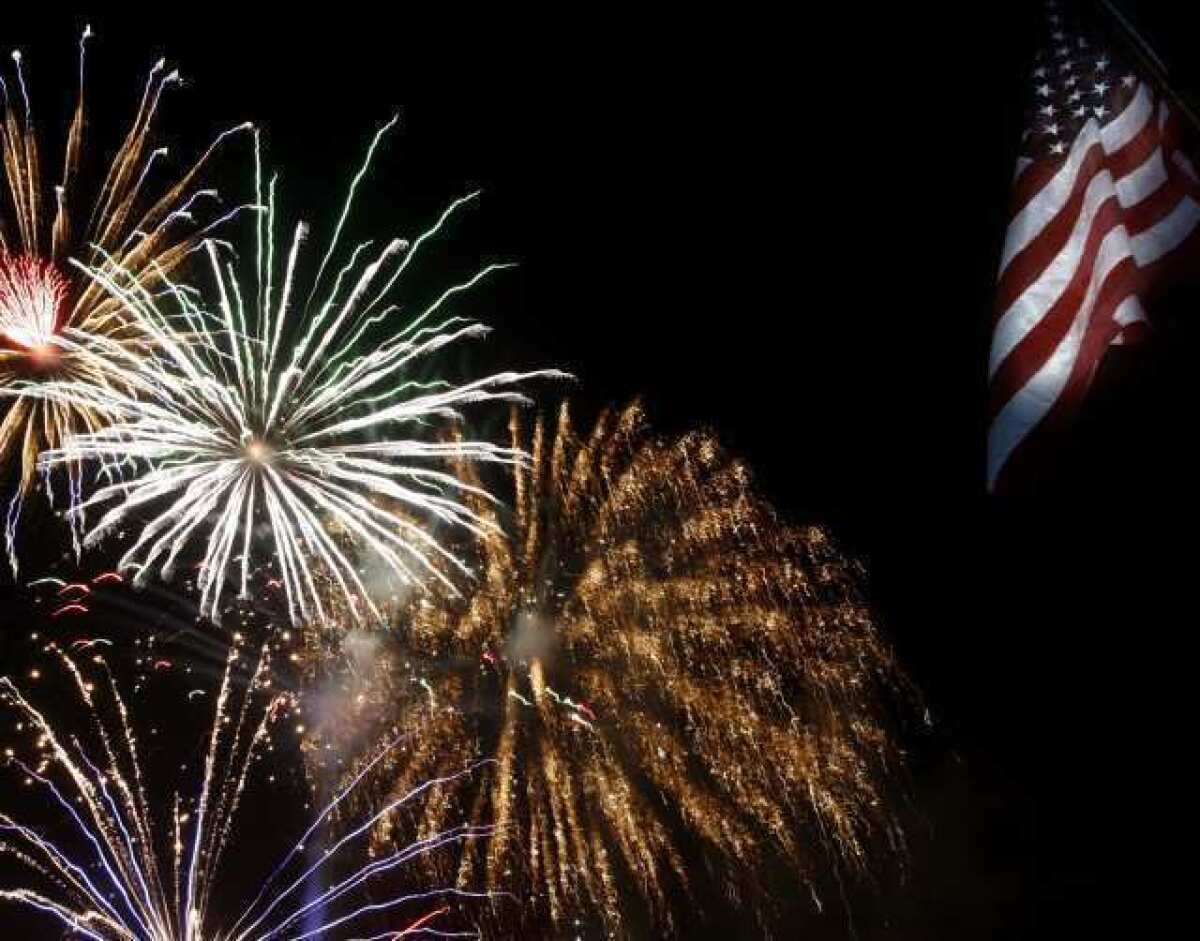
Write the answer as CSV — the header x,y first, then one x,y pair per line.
x,y
144,227
289,404
112,883
648,653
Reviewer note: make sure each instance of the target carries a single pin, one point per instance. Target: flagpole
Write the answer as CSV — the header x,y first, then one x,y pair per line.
x,y
1151,60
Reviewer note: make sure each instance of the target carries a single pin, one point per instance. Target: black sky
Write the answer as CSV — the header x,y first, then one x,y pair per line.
x,y
787,228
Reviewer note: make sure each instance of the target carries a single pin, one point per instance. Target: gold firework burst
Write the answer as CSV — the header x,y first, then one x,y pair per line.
x,y
51,314
663,672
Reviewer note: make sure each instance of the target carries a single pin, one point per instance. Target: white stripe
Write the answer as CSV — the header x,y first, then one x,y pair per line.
x,y
1129,123
1035,399
1028,309
1129,311
1140,183
1167,233
1044,206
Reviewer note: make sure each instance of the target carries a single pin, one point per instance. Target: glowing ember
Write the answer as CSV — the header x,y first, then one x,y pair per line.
x,y
673,676
257,451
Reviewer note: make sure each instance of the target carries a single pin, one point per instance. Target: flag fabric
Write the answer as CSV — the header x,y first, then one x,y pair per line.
x,y
1104,198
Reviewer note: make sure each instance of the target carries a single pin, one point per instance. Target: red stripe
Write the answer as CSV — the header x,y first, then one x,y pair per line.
x,y
1026,458
1136,151
1179,263
1028,264
1125,280
1155,207
1032,181
1134,333
1028,356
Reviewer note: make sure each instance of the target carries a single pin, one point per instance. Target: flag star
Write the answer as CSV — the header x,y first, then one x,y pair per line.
x,y
1100,110
1067,66
1062,51
1051,129
1075,95
1044,90
1058,147
1047,110
1080,111
1102,63
1071,80
1129,81
1059,35
1082,43
1039,72
1100,87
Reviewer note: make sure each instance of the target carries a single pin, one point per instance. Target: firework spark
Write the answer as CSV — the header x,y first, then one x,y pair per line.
x,y
648,652
113,884
144,228
268,405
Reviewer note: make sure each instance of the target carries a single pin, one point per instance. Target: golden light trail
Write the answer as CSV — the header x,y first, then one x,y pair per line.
x,y
648,652
139,222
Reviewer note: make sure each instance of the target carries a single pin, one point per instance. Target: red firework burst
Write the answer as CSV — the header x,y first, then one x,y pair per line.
x,y
32,292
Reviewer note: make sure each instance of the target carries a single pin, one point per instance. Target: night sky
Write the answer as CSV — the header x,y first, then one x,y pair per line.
x,y
787,230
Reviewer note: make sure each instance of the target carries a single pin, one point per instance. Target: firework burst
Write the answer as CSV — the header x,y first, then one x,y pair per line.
x,y
302,406
137,224
124,876
648,653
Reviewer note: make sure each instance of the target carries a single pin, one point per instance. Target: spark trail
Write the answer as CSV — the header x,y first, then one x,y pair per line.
x,y
105,878
257,406
143,221
648,652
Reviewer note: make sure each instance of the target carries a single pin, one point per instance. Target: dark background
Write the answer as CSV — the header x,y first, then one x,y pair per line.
x,y
787,228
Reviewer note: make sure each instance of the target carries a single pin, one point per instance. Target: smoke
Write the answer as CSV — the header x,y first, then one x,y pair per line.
x,y
531,638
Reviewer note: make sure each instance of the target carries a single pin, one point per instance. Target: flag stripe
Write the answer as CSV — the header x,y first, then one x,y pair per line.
x,y
1046,204
1054,276
1105,195
1108,245
1151,245
1043,391
1028,265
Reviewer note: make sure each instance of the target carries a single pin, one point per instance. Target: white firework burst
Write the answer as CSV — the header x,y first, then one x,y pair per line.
x,y
118,865
258,403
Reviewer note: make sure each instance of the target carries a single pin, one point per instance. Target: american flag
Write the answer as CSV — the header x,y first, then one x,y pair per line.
x,y
1103,198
